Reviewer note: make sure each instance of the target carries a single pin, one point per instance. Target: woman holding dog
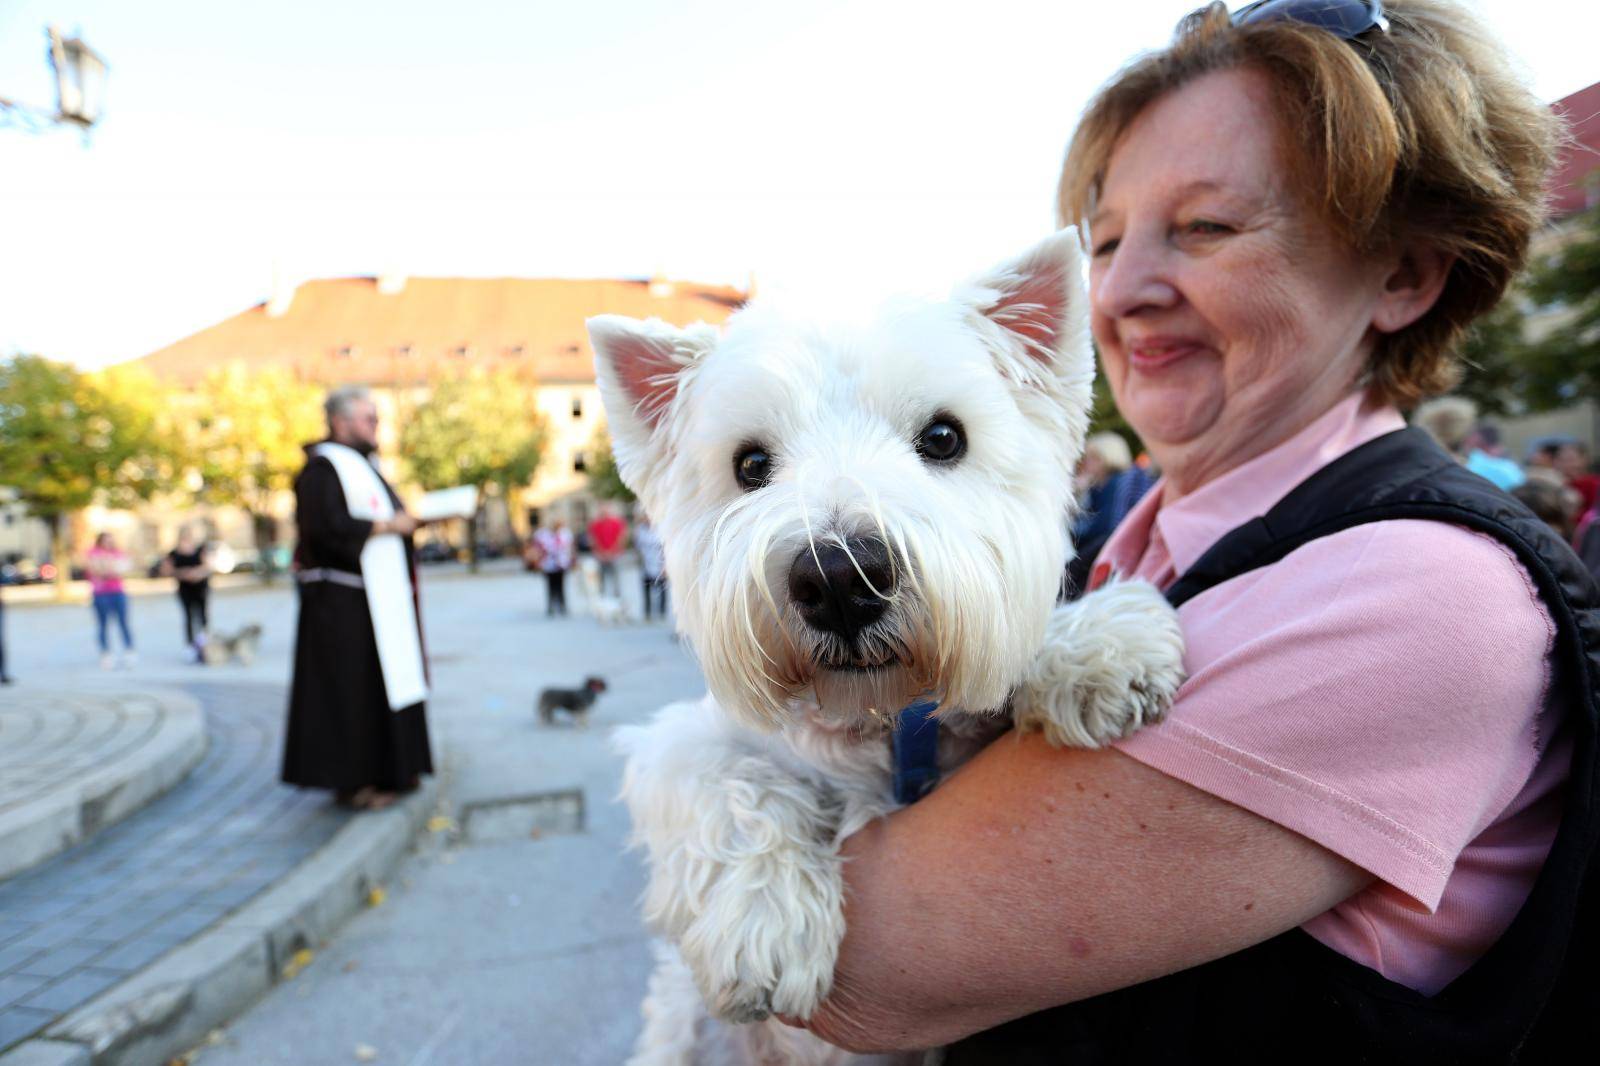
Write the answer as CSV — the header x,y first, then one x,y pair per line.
x,y
1363,831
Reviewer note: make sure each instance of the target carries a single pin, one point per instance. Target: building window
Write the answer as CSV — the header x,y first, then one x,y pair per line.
x,y
577,406
580,462
516,351
461,351
405,351
347,351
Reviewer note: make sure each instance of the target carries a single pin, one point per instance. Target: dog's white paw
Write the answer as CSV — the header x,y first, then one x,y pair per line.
x,y
1111,663
769,936
750,977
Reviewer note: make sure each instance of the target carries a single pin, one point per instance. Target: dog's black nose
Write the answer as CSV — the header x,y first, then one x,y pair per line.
x,y
842,590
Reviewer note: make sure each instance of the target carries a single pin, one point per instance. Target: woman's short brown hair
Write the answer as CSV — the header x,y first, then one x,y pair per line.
x,y
1420,131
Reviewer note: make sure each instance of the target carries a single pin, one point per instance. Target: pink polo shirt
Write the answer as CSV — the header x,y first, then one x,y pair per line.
x,y
1379,691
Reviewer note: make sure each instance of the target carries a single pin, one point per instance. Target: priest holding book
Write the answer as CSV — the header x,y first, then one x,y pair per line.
x,y
356,706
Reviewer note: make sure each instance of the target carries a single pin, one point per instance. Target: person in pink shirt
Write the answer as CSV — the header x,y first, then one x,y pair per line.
x,y
106,564
1292,212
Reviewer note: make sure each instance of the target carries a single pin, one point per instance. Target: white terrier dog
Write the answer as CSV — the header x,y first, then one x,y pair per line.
x,y
607,610
856,516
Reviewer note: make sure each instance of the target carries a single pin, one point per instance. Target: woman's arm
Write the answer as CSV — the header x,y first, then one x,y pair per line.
x,y
204,568
1037,876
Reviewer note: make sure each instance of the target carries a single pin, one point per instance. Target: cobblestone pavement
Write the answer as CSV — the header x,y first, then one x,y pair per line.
x,y
84,921
48,740
485,953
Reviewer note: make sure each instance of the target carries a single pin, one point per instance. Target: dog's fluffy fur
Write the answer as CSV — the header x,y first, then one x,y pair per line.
x,y
741,799
607,610
219,648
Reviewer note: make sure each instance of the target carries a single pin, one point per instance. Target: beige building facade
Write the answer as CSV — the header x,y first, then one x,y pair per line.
x,y
398,336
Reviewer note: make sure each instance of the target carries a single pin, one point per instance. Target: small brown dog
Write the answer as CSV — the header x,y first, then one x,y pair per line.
x,y
574,701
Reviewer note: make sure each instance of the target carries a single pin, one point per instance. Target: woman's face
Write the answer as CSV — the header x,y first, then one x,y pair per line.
x,y
1228,317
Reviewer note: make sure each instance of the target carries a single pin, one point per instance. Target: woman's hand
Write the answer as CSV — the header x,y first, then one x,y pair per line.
x,y
402,523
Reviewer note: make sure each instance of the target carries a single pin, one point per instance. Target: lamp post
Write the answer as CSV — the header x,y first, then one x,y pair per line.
x,y
80,75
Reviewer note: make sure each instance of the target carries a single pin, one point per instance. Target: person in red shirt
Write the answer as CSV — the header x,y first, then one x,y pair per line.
x,y
608,537
1572,463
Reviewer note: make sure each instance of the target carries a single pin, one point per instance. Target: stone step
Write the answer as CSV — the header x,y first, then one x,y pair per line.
x,y
73,763
131,946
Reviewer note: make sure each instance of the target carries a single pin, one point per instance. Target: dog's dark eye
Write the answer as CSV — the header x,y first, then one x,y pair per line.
x,y
752,467
942,440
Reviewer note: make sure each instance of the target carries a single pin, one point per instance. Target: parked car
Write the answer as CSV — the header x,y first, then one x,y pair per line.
x,y
246,560
435,551
22,571
491,549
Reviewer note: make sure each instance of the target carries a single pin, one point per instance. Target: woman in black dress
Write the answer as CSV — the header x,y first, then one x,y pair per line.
x,y
190,563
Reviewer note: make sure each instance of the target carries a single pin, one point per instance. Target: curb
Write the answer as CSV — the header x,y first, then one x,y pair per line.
x,y
25,596
44,594
169,1007
65,816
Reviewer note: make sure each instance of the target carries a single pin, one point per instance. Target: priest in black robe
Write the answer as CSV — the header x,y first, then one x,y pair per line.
x,y
343,734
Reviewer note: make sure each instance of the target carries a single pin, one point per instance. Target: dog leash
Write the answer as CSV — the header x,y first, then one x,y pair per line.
x,y
916,752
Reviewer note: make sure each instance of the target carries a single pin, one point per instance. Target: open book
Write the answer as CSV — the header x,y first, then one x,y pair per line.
x,y
461,502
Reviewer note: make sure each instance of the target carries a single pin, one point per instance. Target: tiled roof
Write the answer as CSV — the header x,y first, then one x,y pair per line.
x,y
1573,187
345,330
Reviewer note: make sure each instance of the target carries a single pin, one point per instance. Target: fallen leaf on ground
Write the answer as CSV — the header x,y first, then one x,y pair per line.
x,y
440,823
297,962
376,896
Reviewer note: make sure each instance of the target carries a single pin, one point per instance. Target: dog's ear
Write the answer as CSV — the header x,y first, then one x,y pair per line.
x,y
1039,304
641,367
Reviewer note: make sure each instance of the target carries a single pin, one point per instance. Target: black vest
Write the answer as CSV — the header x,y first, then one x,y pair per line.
x,y
1531,997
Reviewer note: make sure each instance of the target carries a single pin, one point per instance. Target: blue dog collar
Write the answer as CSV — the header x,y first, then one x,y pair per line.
x,y
916,752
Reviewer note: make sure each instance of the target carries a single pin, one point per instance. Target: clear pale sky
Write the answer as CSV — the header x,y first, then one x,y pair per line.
x,y
866,144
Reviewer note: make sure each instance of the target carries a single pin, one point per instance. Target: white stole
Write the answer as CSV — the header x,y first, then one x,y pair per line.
x,y
386,576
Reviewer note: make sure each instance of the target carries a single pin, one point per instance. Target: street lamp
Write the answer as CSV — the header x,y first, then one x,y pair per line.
x,y
80,79
80,89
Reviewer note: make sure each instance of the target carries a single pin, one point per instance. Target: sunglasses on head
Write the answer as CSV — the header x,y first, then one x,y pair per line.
x,y
1346,19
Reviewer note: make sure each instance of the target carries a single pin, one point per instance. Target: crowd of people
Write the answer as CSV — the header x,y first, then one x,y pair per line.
x,y
553,551
1556,479
106,566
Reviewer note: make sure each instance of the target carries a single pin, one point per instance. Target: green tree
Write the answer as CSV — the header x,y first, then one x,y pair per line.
x,y
1563,365
604,480
69,439
1105,418
244,432
1494,357
480,429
